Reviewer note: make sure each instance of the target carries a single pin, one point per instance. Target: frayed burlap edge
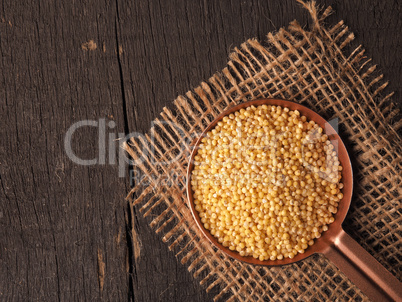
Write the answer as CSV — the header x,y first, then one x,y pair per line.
x,y
310,67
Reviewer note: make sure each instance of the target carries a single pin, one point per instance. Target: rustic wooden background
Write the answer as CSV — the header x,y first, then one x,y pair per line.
x,y
64,228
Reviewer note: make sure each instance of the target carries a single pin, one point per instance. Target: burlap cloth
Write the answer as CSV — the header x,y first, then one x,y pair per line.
x,y
318,69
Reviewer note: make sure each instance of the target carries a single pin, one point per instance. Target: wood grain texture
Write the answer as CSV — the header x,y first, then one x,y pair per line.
x,y
60,221
63,226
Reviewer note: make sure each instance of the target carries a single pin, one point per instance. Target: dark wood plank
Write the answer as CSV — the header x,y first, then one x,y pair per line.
x,y
375,25
62,225
170,47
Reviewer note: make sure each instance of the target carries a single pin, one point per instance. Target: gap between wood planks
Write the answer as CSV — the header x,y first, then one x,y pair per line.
x,y
133,242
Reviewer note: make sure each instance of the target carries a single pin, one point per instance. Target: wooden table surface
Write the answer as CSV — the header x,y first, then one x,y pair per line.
x,y
65,226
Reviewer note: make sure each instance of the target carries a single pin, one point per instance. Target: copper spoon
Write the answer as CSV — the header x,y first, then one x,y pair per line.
x,y
352,259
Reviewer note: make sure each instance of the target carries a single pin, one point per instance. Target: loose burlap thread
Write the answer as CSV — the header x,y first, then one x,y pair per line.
x,y
306,66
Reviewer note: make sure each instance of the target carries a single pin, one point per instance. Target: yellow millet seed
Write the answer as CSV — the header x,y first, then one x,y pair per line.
x,y
266,182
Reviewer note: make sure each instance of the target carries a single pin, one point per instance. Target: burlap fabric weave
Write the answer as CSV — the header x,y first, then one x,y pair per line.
x,y
318,69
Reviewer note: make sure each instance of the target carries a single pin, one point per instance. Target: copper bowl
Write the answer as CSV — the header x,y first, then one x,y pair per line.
x,y
369,275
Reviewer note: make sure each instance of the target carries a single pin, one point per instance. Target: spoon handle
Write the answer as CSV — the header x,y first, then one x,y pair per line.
x,y
363,269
